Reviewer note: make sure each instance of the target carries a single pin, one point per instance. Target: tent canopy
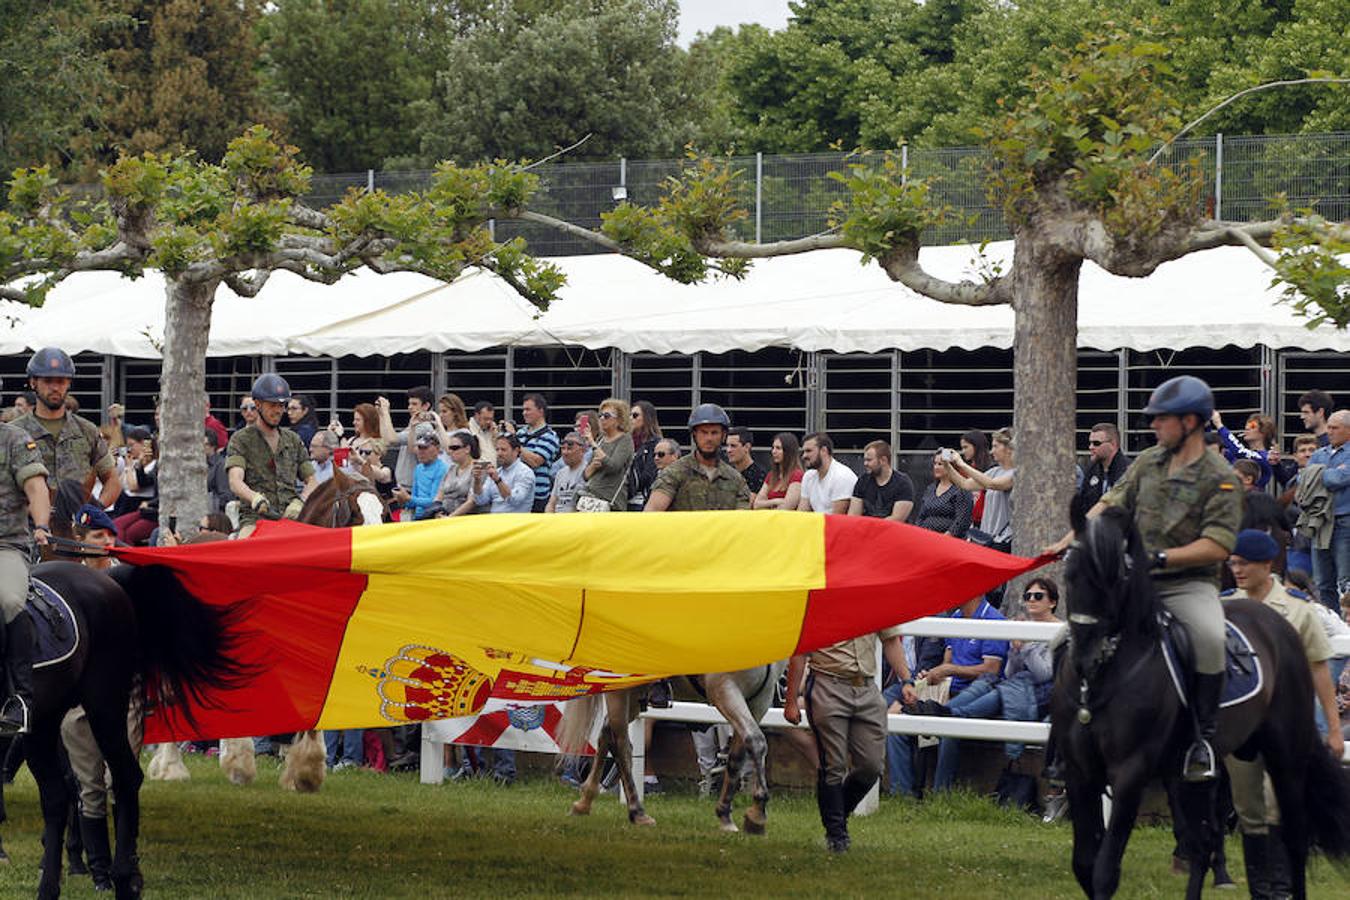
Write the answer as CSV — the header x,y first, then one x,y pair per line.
x,y
817,301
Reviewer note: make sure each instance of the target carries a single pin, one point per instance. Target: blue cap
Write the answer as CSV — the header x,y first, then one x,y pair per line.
x,y
1256,546
91,517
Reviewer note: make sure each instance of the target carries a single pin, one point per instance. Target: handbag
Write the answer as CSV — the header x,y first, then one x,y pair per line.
x,y
588,504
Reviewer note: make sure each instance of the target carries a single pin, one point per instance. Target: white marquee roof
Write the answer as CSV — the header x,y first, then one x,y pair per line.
x,y
817,301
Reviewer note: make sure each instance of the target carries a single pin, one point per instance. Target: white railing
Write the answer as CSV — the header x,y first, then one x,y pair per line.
x,y
937,726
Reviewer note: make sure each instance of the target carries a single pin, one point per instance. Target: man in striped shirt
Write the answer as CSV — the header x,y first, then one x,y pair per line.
x,y
539,446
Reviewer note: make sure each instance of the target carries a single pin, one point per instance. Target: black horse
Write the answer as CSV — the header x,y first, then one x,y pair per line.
x,y
133,619
1118,722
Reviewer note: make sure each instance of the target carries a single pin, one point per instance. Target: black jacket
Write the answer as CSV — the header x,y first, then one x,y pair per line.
x,y
1097,482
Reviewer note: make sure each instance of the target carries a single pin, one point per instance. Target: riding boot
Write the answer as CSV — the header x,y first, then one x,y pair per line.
x,y
1256,859
1202,762
18,650
1281,880
855,789
833,814
98,851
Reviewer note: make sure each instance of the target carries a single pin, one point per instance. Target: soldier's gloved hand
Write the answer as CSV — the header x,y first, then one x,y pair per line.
x,y
293,508
260,504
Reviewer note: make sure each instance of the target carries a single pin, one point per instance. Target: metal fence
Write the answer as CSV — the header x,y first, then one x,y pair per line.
x,y
789,196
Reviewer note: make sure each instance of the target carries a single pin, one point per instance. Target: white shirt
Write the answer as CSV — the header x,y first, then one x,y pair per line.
x,y
837,485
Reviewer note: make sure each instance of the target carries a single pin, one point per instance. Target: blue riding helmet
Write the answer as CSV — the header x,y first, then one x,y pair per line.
x,y
271,387
1179,396
709,414
51,362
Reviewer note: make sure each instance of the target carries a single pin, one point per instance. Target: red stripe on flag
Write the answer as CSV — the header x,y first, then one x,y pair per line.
x,y
880,573
299,606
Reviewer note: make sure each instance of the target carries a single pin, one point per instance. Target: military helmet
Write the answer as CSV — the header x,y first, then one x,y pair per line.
x,y
1179,396
271,387
51,362
709,414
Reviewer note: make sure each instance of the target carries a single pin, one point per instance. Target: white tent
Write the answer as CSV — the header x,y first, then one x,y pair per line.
x,y
817,301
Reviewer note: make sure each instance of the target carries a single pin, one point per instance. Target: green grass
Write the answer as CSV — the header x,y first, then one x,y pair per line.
x,y
370,835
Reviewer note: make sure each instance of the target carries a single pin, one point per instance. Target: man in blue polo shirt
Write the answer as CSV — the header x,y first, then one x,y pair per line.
x,y
964,660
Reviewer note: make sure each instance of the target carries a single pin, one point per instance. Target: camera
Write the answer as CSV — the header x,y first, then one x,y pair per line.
x,y
948,454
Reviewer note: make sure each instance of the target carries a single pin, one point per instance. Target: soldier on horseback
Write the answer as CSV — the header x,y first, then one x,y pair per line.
x,y
23,495
75,454
1187,504
265,461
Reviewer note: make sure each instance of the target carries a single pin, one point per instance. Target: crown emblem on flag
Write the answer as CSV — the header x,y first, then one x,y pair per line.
x,y
422,683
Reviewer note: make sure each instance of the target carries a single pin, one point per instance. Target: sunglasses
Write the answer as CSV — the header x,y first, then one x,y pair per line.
x,y
607,415
661,454
1095,443
1034,595
637,413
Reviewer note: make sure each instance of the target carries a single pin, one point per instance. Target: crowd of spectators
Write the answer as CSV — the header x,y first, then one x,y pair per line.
x,y
452,459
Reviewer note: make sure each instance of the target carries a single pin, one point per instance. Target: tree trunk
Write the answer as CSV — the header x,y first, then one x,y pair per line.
x,y
1045,377
182,461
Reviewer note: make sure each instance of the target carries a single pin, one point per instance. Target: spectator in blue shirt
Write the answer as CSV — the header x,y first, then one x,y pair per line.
x,y
964,661
509,488
1331,567
427,474
539,446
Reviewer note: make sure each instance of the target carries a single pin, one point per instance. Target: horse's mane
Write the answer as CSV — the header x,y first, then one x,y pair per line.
x,y
1111,550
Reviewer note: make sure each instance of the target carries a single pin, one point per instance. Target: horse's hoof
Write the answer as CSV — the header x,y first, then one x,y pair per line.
x,y
728,826
752,826
128,887
643,819
580,809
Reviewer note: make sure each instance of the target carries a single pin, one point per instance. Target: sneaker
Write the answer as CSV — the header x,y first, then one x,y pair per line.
x,y
652,787
344,764
503,779
570,780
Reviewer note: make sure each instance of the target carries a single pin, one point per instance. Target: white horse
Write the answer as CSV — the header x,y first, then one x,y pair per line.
x,y
741,697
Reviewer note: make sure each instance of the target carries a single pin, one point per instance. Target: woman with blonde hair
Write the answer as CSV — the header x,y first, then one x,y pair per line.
x,y
782,488
452,412
611,455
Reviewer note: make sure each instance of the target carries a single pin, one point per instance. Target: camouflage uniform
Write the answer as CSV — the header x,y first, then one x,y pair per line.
x,y
274,475
73,454
19,461
1203,499
690,489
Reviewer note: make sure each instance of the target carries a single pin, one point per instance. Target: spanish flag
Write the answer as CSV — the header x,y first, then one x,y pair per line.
x,y
381,625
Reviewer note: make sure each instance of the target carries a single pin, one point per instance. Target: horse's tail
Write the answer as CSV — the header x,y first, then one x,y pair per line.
x,y
1327,788
578,720
188,647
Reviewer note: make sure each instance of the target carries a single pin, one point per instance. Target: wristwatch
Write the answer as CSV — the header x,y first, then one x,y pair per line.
x,y
1160,559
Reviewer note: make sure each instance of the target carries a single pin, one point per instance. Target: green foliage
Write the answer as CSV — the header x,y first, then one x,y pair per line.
x,y
885,208
1085,131
52,77
346,75
535,77
1312,271
263,168
699,205
184,77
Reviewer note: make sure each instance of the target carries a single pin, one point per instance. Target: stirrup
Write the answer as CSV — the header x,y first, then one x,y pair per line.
x,y
14,716
1201,763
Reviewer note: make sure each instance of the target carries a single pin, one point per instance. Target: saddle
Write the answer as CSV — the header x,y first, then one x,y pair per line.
x,y
1242,667
57,633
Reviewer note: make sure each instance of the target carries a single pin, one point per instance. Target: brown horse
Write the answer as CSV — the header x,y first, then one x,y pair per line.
x,y
741,697
344,500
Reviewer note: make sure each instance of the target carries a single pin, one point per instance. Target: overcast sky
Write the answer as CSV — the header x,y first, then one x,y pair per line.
x,y
705,15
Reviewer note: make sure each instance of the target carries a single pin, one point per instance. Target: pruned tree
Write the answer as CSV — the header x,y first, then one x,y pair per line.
x,y
236,223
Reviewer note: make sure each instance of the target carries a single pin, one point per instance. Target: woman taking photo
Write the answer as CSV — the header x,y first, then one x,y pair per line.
x,y
646,435
944,507
611,455
782,488
367,456
455,496
997,482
